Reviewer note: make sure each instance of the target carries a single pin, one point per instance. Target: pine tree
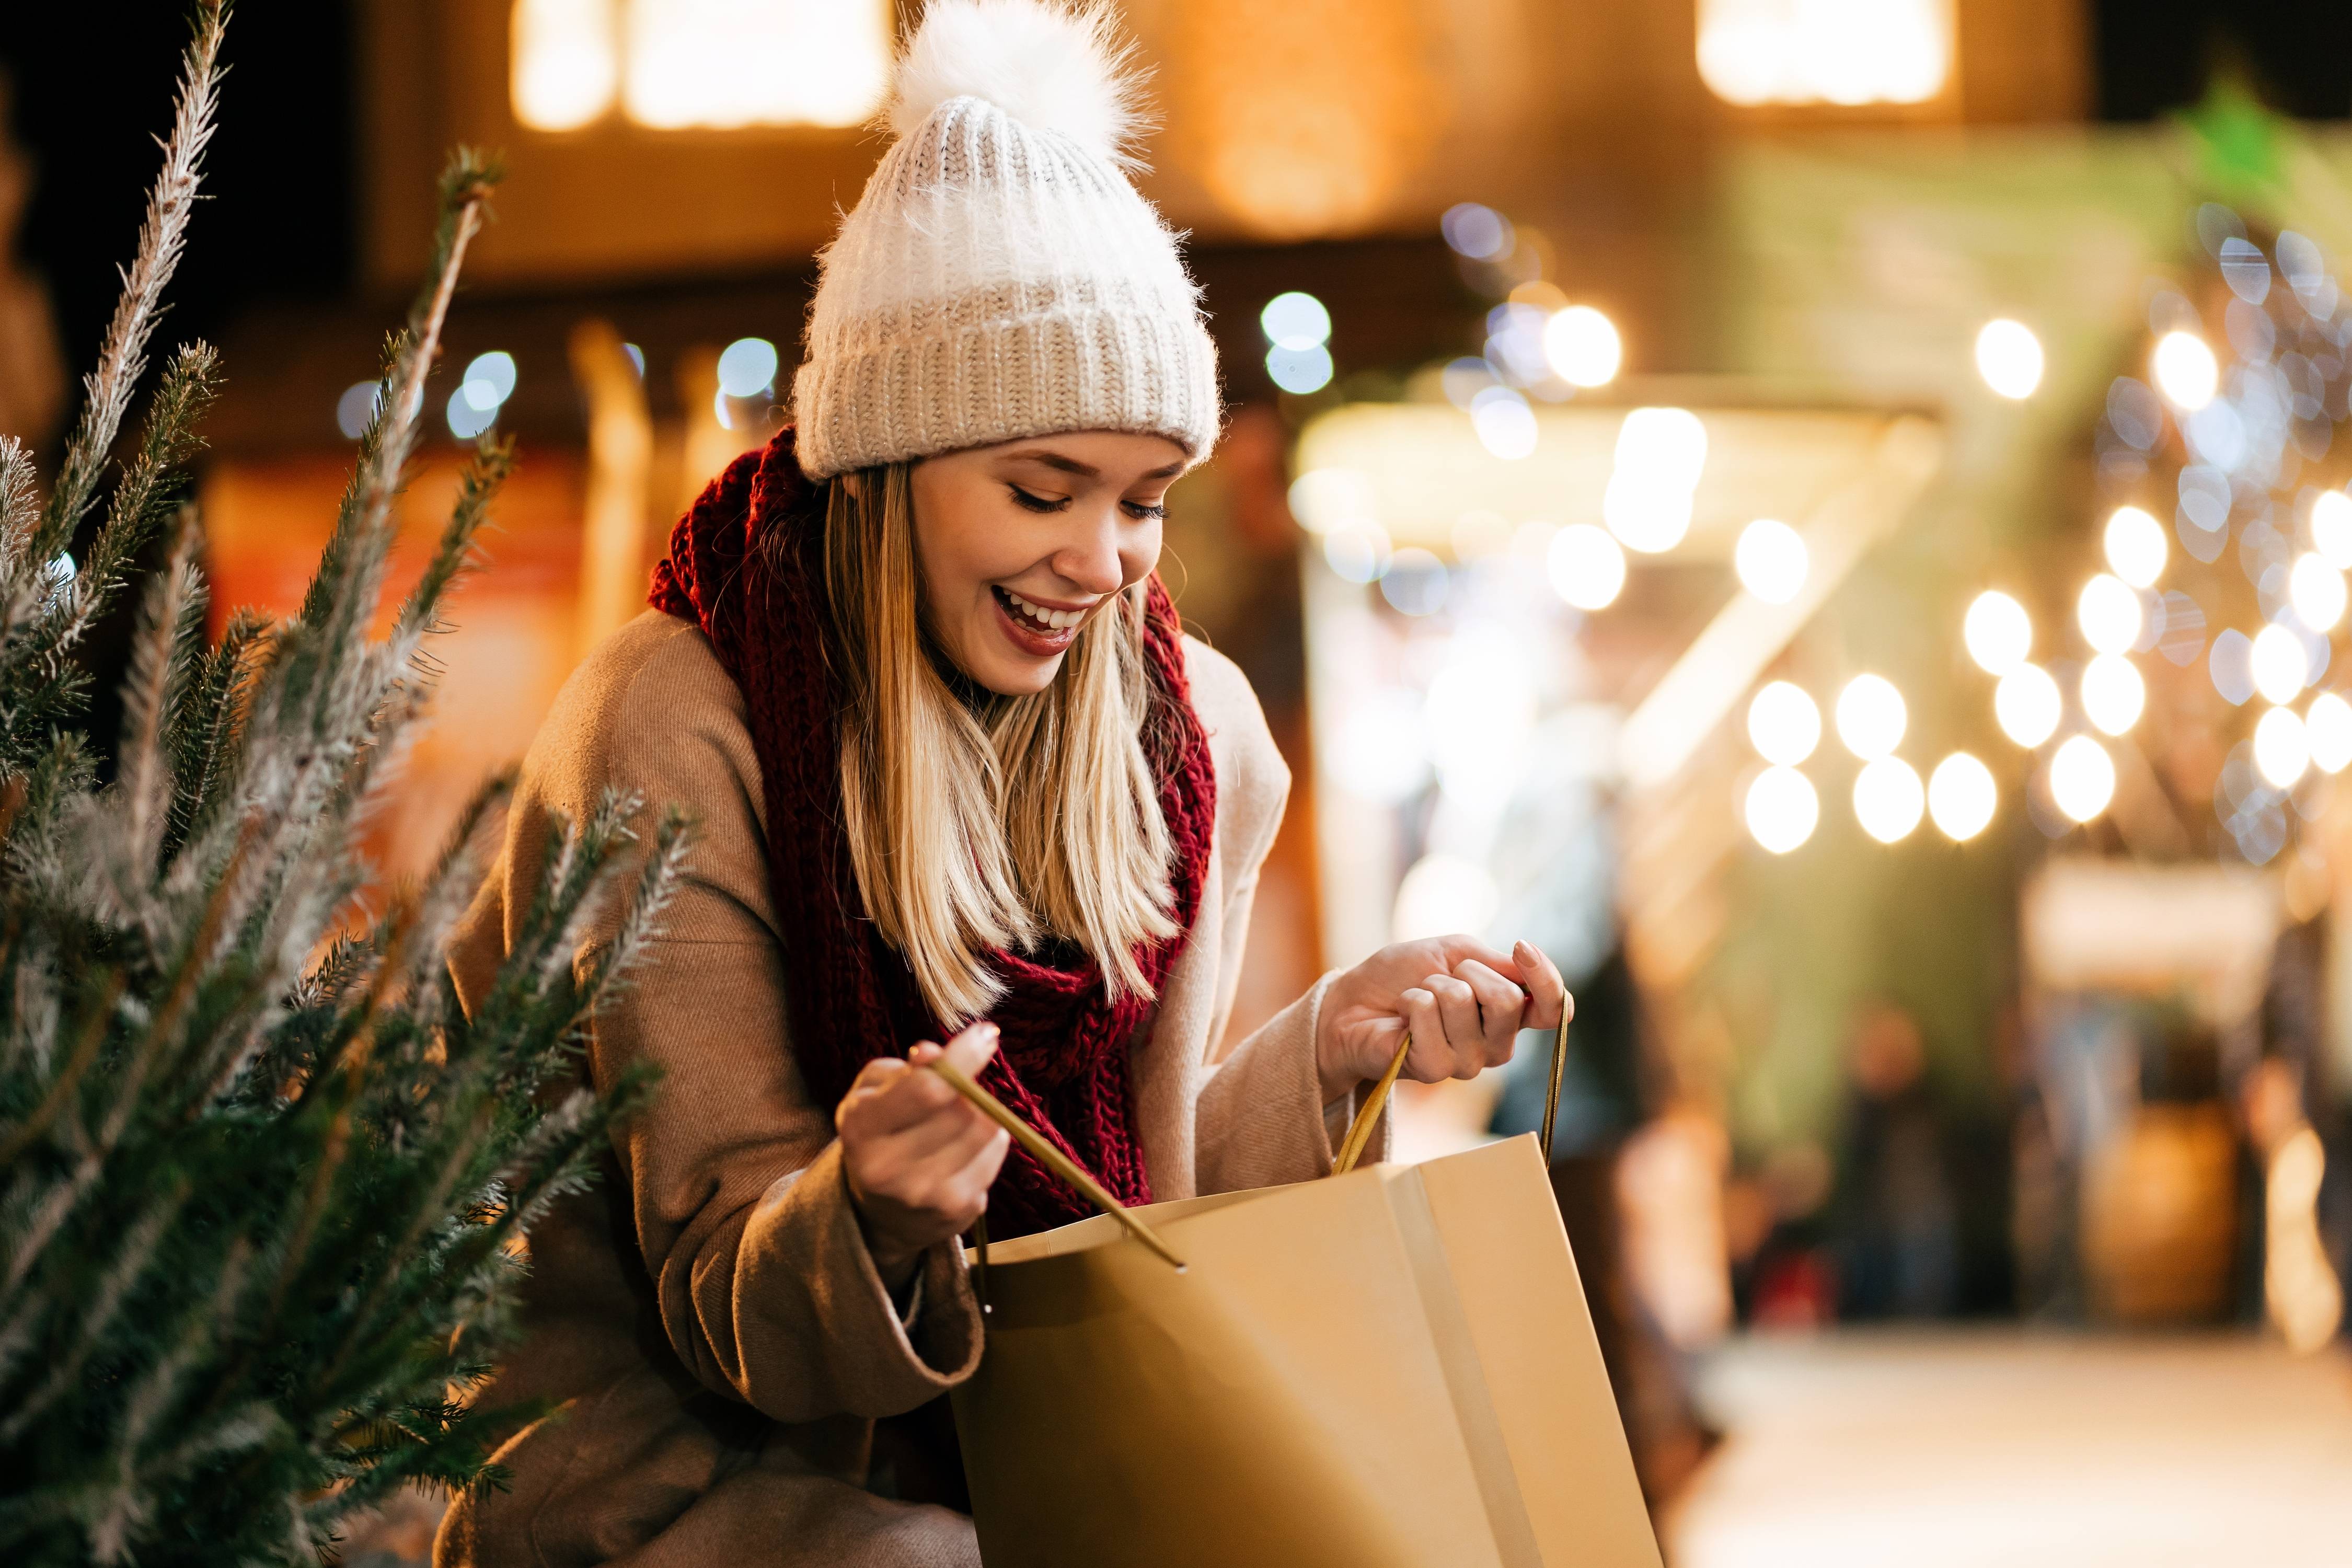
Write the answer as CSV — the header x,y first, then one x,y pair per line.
x,y
263,1184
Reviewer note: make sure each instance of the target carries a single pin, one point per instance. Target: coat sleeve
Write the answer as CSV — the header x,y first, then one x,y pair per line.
x,y
734,1178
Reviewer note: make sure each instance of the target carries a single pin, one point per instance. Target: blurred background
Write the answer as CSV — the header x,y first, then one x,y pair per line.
x,y
1822,514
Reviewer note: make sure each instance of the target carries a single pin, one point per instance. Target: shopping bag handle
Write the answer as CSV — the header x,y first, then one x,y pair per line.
x,y
1053,1159
1360,1130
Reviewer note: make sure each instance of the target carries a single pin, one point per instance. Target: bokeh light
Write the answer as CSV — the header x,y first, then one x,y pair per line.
x,y
1783,723
2027,705
1772,560
1583,346
1998,631
2009,357
355,409
465,420
1586,566
2280,663
2331,528
2185,370
1871,717
2282,749
2110,612
2315,589
1299,371
2113,693
1480,233
2327,726
747,368
1415,582
2082,778
1296,319
2136,546
1661,453
1781,809
1888,799
1505,426
1961,796
1358,551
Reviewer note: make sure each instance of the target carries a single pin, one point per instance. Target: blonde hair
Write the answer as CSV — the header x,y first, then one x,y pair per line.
x,y
978,822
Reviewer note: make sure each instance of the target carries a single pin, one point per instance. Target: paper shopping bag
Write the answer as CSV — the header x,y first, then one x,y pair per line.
x,y
1389,1369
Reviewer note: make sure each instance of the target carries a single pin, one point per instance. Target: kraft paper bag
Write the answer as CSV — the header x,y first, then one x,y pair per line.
x,y
1389,1369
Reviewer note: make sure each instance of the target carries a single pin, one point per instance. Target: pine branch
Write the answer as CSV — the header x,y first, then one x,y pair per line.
x,y
171,201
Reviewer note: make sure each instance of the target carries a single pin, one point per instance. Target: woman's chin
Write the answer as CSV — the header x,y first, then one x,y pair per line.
x,y
1017,677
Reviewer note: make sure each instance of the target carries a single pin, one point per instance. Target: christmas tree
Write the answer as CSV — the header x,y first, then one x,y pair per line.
x,y
263,1184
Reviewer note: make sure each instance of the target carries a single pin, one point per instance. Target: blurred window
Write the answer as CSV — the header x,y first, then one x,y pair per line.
x,y
675,65
1845,52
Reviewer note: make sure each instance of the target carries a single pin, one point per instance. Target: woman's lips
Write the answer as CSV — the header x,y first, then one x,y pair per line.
x,y
1028,638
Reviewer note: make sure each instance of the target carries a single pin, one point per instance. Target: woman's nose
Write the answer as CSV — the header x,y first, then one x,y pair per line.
x,y
1089,560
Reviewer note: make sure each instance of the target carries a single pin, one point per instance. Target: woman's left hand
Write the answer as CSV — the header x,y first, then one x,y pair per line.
x,y
1464,1003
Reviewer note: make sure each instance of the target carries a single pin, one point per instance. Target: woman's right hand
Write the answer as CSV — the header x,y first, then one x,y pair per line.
x,y
919,1157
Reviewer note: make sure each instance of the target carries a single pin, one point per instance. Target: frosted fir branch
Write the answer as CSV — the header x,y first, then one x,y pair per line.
x,y
640,925
158,654
484,473
20,506
163,234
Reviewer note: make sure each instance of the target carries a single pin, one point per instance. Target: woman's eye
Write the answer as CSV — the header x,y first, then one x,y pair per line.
x,y
1143,512
1028,503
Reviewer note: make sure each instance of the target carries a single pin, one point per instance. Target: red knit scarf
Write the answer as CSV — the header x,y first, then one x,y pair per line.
x,y
1063,1064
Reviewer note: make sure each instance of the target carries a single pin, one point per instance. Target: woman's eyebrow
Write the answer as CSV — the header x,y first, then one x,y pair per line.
x,y
1057,461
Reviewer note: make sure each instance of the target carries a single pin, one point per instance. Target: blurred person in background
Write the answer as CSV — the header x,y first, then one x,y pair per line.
x,y
1895,1214
957,775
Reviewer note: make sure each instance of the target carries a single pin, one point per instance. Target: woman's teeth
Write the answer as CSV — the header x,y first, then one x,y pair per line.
x,y
1043,619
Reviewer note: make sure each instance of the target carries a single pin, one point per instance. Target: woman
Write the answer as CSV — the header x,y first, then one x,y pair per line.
x,y
959,776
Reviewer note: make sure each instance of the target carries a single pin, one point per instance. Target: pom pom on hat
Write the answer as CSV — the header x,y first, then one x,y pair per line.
x,y
1047,65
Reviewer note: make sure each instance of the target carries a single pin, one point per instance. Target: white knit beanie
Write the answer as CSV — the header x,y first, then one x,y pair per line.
x,y
1000,277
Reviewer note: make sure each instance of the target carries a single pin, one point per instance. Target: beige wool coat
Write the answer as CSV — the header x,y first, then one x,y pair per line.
x,y
732,1384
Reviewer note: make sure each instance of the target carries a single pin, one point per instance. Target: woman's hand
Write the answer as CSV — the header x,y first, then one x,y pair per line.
x,y
920,1158
1464,1003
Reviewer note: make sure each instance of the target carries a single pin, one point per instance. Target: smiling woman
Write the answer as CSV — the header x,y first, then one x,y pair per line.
x,y
960,777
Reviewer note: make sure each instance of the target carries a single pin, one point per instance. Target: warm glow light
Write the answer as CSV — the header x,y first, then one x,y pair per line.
x,y
2113,692
1998,632
566,62
1325,499
2109,614
1781,809
1583,346
1784,724
2280,663
2009,357
2027,705
2315,589
1772,560
1825,51
2331,528
2281,747
1586,566
1870,716
723,63
2185,370
2082,778
1961,796
2327,725
2136,546
1888,799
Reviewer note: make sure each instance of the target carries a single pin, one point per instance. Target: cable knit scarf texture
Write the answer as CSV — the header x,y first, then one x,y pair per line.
x,y
1063,1064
